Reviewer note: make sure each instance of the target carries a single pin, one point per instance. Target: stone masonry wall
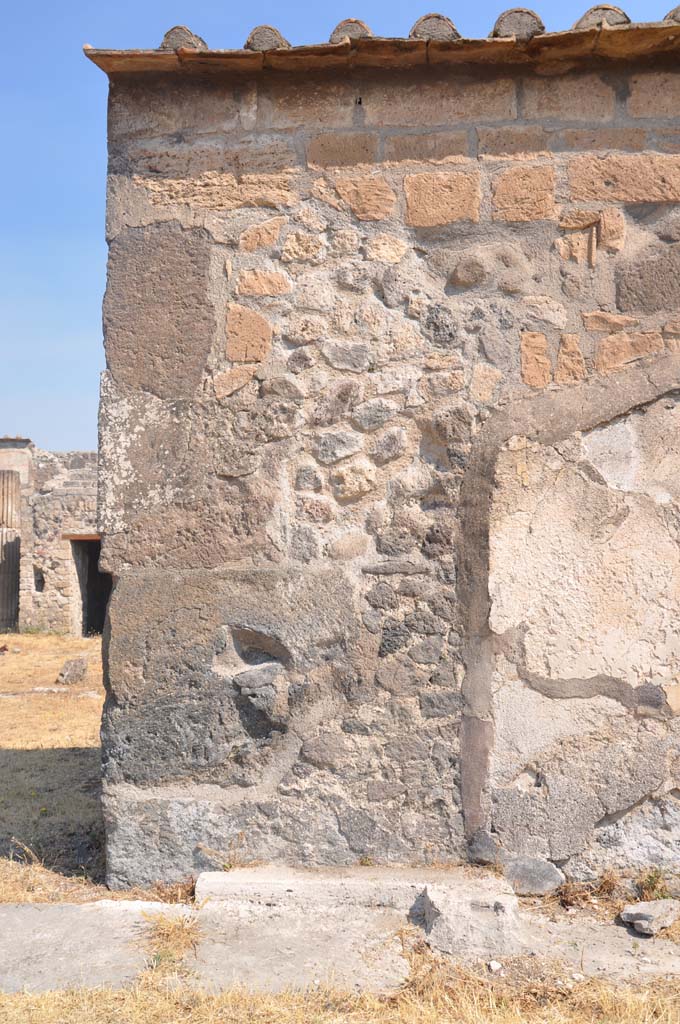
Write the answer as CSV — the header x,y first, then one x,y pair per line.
x,y
389,468
58,498
64,502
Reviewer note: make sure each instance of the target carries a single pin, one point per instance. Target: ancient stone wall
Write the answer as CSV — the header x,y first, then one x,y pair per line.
x,y
389,466
58,503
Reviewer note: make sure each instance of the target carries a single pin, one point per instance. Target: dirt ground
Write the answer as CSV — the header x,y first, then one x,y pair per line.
x,y
51,829
50,757
432,996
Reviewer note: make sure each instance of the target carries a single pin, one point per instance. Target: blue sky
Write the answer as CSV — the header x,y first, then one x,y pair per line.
x,y
53,165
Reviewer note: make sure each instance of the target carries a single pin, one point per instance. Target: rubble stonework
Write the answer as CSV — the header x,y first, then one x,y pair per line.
x,y
388,460
58,508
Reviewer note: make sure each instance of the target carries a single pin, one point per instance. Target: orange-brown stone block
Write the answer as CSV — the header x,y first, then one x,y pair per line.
x,y
618,349
626,178
433,199
611,231
439,103
571,366
263,282
261,235
608,323
536,368
654,95
229,381
523,193
430,147
249,335
368,197
514,140
628,139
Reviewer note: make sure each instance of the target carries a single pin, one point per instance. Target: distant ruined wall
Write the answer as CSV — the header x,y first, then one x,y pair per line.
x,y
389,466
58,498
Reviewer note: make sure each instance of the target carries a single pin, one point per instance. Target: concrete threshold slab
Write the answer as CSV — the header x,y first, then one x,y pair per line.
x,y
366,886
274,927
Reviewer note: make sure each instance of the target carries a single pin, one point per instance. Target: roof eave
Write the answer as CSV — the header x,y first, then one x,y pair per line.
x,y
574,47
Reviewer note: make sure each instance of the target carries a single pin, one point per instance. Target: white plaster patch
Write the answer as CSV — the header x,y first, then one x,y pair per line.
x,y
612,450
527,724
591,575
641,452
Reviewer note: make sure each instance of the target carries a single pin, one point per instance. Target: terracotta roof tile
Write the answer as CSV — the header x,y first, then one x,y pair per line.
x,y
603,34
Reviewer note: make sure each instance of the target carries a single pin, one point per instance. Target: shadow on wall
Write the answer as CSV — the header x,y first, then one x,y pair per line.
x,y
50,803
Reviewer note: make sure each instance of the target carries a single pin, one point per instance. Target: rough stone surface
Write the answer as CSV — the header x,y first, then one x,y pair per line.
x,y
340,150
582,97
638,178
532,876
482,920
652,283
618,349
248,334
388,469
571,365
649,918
262,282
260,235
73,671
178,324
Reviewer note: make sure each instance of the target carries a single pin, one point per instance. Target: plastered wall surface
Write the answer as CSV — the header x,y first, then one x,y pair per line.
x,y
389,468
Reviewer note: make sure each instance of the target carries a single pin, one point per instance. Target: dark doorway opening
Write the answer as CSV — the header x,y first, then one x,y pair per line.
x,y
95,586
10,549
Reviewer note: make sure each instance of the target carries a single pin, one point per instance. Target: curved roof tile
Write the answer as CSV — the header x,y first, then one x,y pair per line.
x,y
265,37
350,28
603,13
434,26
519,22
180,35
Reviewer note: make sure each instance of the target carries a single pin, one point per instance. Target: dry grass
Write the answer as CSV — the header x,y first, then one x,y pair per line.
x,y
433,995
40,657
605,896
652,885
49,760
169,940
51,832
672,934
29,881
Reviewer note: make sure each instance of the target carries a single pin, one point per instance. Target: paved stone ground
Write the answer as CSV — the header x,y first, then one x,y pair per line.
x,y
48,946
269,928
